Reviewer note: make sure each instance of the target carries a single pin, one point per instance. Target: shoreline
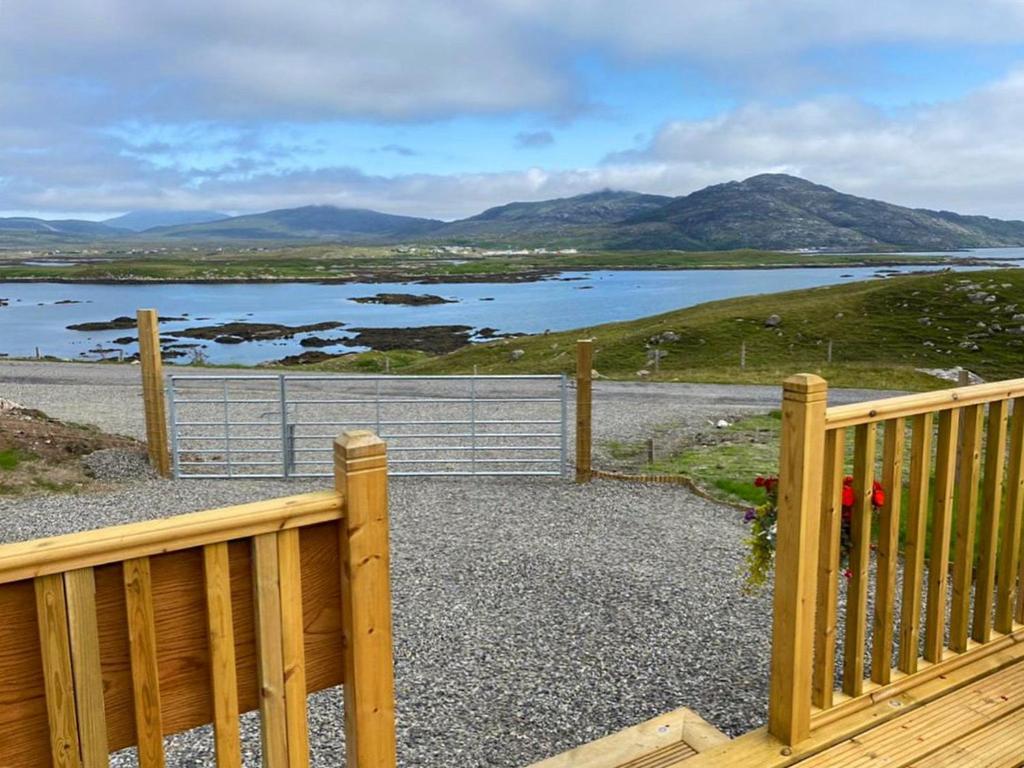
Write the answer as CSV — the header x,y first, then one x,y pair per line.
x,y
529,275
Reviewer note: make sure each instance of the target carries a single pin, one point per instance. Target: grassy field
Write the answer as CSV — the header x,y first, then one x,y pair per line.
x,y
382,264
882,333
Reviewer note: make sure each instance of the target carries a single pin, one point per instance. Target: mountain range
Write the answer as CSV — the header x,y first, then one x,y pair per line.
x,y
140,221
768,211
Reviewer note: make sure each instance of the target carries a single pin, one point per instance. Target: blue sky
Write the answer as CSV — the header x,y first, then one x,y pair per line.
x,y
445,107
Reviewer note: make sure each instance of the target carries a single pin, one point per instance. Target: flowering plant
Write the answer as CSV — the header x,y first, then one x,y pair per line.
x,y
763,520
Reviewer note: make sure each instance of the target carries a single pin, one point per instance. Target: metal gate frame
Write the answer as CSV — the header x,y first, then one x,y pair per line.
x,y
287,462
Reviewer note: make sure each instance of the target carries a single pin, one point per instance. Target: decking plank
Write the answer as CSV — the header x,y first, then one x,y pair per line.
x,y
927,729
663,741
997,745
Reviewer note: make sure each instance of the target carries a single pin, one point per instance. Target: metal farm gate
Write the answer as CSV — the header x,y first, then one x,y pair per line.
x,y
284,425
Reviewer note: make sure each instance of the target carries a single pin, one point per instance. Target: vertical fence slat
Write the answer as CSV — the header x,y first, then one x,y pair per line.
x,y
58,681
1009,551
888,551
800,477
223,673
942,519
269,649
584,408
966,506
828,569
294,658
151,364
138,593
988,539
860,552
360,475
80,586
914,545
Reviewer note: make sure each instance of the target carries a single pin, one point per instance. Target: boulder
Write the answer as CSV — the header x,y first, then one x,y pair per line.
x,y
772,321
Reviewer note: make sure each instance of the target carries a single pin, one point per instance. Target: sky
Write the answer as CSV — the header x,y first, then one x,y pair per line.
x,y
443,108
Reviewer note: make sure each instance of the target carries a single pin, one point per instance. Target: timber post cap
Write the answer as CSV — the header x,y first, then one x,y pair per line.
x,y
804,386
357,443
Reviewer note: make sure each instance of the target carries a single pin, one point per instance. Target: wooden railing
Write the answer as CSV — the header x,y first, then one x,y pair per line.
x,y
117,637
960,481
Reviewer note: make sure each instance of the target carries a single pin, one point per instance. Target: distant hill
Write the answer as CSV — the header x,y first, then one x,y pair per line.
x,y
139,221
552,221
57,229
776,211
767,212
312,222
770,212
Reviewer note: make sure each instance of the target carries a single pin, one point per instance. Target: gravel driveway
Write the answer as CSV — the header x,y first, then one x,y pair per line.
x,y
530,615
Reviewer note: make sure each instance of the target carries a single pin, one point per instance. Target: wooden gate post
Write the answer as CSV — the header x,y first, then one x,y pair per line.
x,y
153,390
584,408
804,400
360,475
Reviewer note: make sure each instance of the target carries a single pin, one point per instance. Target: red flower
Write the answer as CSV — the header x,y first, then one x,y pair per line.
x,y
848,497
877,495
759,482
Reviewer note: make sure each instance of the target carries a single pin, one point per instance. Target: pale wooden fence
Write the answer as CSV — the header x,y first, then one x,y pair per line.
x,y
117,637
965,461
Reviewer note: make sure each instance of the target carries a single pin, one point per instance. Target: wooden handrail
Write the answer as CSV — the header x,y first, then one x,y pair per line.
x,y
840,416
120,636
23,560
966,457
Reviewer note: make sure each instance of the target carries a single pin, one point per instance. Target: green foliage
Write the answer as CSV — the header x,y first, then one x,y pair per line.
x,y
9,459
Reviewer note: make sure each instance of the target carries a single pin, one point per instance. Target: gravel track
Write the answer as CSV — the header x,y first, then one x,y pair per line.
x,y
110,396
531,615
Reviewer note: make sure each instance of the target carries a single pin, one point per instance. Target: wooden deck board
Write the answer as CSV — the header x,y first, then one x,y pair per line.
x,y
977,725
661,742
998,745
923,731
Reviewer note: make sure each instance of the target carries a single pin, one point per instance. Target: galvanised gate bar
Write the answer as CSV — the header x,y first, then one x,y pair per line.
x,y
280,425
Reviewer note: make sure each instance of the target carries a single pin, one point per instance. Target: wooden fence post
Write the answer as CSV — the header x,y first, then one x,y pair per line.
x,y
584,408
360,475
796,556
153,390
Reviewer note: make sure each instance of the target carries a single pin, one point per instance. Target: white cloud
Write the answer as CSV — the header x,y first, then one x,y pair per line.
x,y
965,155
71,70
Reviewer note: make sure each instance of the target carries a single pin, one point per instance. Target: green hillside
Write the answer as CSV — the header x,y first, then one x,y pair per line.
x,y
882,332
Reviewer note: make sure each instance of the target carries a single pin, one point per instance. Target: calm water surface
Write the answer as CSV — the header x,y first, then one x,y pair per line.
x,y
33,318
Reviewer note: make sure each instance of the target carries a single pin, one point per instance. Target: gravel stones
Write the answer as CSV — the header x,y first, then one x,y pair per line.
x,y
118,465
